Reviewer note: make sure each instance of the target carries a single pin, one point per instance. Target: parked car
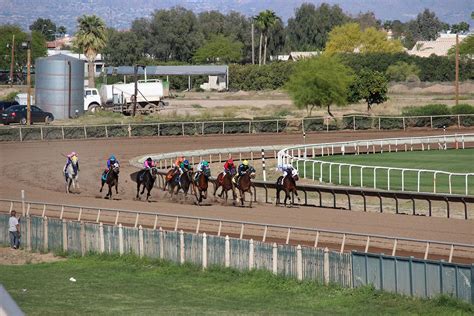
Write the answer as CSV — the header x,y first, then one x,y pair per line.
x,y
17,114
6,104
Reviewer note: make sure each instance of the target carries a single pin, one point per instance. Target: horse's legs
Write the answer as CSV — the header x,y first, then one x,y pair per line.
x,y
242,197
116,187
251,197
138,189
277,201
102,186
296,193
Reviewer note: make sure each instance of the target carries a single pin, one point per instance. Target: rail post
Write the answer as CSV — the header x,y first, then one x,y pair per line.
x,y
21,135
141,246
101,238
299,263
263,166
120,239
65,243
275,259
227,252
45,234
326,266
204,251
22,202
162,246
251,254
181,246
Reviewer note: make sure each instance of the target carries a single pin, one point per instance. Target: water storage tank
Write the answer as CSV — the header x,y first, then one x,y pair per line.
x,y
59,85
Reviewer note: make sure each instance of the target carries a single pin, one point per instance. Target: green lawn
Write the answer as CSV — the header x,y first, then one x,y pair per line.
x,y
128,285
460,161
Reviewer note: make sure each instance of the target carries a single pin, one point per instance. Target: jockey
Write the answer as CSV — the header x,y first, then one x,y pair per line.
x,y
69,159
177,164
243,167
203,165
183,167
110,162
149,163
229,166
287,169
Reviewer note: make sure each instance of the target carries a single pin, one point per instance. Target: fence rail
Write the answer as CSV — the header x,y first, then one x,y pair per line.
x,y
304,158
351,122
341,240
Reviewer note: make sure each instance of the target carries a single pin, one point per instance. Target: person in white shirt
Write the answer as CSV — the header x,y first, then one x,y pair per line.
x,y
14,229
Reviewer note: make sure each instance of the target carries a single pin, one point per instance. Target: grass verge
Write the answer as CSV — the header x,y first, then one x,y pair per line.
x,y
129,285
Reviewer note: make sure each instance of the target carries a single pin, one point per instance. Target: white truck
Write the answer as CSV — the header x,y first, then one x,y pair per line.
x,y
120,97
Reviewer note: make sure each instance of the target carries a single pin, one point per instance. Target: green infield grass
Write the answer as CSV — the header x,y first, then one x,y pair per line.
x,y
456,161
129,285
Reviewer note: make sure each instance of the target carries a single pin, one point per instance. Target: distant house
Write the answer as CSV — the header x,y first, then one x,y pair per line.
x,y
294,56
99,63
438,47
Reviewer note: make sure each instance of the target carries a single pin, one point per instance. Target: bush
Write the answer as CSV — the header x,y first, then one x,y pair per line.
x,y
427,111
466,121
391,123
403,71
253,77
362,122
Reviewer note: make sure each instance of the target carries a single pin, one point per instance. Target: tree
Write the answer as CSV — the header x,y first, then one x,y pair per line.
x,y
169,34
425,27
123,48
62,30
310,27
462,27
319,82
91,38
219,49
38,46
265,21
349,38
466,48
45,27
368,19
371,86
401,71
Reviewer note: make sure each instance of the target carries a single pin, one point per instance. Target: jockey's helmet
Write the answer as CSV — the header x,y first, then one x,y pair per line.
x,y
245,162
73,153
149,159
205,163
230,161
112,158
186,163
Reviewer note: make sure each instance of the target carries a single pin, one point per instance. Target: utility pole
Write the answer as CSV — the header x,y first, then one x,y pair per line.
x,y
253,44
13,61
457,69
28,82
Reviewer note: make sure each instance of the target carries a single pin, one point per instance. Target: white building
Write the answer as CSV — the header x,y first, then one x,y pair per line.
x,y
439,47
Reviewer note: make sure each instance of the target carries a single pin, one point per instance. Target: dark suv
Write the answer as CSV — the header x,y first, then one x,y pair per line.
x,y
17,114
6,104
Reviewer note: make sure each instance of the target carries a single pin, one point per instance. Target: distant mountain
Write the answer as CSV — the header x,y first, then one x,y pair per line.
x,y
120,13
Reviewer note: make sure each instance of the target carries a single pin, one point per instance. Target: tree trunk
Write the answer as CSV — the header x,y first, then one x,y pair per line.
x,y
91,74
368,107
329,111
265,50
260,50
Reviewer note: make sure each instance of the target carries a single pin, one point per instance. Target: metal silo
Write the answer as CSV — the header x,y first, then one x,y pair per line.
x,y
59,85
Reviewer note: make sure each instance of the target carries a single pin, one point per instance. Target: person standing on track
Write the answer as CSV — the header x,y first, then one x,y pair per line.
x,y
14,230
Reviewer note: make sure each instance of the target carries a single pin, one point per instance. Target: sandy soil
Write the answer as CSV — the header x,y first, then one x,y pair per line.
x,y
36,168
10,256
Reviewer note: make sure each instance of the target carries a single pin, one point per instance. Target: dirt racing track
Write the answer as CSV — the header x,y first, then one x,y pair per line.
x,y
36,167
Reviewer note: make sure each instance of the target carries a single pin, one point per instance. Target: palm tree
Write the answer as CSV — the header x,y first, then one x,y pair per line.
x,y
265,21
91,39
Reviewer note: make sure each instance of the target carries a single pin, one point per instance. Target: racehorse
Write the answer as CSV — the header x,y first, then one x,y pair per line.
x,y
111,178
289,185
169,177
146,178
72,175
201,184
184,182
244,184
226,183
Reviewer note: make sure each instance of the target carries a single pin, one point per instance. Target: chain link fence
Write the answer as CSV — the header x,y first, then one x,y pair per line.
x,y
312,124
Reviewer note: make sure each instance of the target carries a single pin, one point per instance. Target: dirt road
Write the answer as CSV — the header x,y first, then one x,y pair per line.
x,y
36,167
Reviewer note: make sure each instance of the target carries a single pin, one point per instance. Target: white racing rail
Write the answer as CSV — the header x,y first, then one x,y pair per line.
x,y
338,239
303,157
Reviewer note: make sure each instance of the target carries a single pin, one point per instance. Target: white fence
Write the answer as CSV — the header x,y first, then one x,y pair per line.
x,y
303,157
